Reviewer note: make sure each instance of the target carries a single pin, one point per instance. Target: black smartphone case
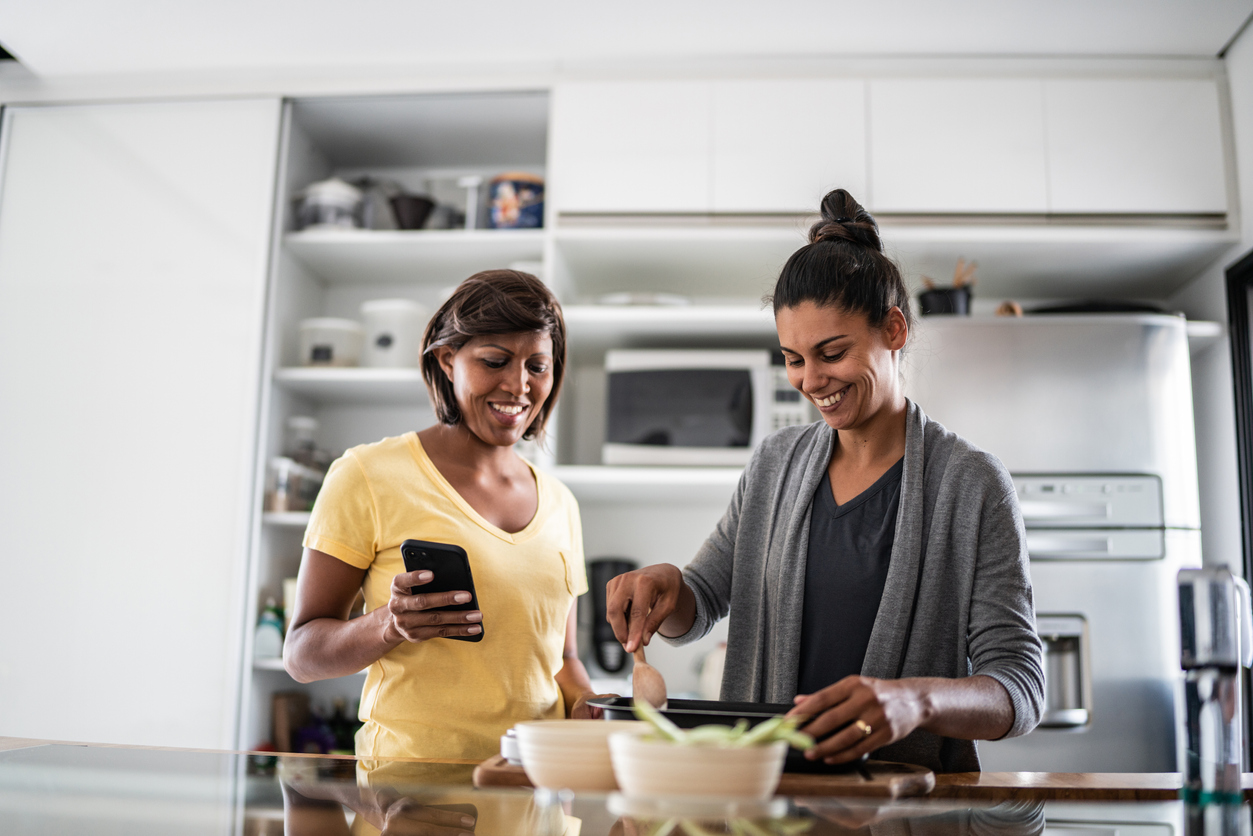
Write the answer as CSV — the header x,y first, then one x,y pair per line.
x,y
451,566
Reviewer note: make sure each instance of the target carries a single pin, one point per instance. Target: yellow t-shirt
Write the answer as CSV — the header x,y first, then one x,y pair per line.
x,y
445,698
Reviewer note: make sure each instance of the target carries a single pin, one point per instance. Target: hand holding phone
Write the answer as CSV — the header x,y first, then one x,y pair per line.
x,y
435,598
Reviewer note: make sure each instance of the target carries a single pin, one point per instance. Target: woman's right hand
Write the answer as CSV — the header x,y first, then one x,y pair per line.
x,y
414,617
639,602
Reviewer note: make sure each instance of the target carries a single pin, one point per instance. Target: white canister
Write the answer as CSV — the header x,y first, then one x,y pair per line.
x,y
325,341
393,332
329,204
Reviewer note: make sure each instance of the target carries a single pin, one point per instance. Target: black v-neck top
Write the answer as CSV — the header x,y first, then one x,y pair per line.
x,y
850,546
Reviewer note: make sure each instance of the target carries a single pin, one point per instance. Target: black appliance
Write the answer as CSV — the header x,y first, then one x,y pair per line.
x,y
609,653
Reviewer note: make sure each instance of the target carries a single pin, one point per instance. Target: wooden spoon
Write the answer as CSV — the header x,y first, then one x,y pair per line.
x,y
646,682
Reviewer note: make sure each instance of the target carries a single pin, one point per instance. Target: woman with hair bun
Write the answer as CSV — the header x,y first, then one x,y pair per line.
x,y
875,563
493,357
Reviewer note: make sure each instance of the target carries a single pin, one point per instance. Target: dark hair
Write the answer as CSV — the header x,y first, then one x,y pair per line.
x,y
492,302
843,266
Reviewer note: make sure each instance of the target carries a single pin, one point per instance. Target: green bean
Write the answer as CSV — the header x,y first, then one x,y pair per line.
x,y
739,735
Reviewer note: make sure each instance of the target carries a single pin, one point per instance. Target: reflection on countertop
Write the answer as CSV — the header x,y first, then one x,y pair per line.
x,y
58,789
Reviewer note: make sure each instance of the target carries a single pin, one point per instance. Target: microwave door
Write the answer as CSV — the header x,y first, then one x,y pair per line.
x,y
686,407
681,408
684,416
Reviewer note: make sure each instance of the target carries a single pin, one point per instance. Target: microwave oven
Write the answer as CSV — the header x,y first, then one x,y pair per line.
x,y
695,407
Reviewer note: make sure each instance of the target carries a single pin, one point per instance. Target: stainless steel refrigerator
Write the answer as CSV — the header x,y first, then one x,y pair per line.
x,y
1092,415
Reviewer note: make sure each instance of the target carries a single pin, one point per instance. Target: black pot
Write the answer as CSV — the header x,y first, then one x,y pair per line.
x,y
945,300
1098,306
411,210
688,714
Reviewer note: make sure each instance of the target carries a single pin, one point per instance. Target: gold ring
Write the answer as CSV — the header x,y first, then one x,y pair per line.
x,y
863,727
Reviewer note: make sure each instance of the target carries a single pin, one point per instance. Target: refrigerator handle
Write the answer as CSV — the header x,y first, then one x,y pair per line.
x,y
1062,544
1245,621
1043,509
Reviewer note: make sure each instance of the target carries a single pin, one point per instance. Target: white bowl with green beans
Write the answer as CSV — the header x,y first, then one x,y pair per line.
x,y
662,760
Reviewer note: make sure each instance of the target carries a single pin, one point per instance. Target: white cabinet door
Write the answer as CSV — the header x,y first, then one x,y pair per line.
x,y
133,258
779,146
957,145
1133,146
631,147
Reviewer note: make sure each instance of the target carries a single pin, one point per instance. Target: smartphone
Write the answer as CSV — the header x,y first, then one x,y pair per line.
x,y
451,567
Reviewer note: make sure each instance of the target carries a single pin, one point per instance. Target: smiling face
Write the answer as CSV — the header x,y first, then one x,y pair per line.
x,y
846,367
500,381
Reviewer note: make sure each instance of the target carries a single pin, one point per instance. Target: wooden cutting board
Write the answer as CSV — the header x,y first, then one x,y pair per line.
x,y
886,780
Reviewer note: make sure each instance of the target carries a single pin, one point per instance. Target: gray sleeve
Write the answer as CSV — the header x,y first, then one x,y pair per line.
x,y
1001,636
709,572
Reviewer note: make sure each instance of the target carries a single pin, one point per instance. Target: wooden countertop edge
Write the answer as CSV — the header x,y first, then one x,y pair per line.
x,y
1060,786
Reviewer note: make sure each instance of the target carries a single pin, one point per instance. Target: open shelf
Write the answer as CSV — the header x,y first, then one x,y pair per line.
x,y
716,261
602,483
1029,260
395,387
360,256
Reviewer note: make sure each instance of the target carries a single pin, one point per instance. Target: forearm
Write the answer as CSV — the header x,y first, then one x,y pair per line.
x,y
573,681
684,616
971,708
326,648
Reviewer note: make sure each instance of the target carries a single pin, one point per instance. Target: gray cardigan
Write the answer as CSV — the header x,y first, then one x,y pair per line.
x,y
957,600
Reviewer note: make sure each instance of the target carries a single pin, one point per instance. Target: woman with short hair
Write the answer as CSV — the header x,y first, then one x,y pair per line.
x,y
493,358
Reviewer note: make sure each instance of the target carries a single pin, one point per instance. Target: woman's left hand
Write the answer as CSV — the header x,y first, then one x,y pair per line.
x,y
869,713
582,711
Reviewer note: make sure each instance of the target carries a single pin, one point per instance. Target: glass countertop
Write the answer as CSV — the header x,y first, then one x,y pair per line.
x,y
89,790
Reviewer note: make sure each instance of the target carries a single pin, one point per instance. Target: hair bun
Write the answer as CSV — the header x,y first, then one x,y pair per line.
x,y
844,219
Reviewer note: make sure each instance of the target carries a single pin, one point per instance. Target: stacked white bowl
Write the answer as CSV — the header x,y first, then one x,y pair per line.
x,y
569,754
656,769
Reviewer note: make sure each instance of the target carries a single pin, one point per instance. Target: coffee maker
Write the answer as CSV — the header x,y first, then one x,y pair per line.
x,y
608,653
1216,642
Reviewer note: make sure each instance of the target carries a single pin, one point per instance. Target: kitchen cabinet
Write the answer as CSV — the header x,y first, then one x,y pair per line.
x,y
134,247
926,146
631,147
697,147
780,145
957,145
1037,178
1135,146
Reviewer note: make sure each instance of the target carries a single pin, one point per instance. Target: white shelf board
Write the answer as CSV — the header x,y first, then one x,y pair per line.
x,y
1037,260
596,325
354,385
1050,261
716,261
441,257
276,664
286,519
602,483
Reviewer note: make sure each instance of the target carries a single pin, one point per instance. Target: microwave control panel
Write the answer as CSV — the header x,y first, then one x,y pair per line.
x,y
789,408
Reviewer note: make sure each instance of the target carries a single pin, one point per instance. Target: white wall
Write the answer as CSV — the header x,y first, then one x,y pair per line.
x,y
1205,298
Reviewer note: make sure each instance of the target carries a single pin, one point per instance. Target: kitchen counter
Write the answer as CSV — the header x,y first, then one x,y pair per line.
x,y
60,788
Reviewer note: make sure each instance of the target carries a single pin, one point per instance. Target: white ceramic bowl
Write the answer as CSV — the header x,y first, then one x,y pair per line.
x,y
569,754
657,769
